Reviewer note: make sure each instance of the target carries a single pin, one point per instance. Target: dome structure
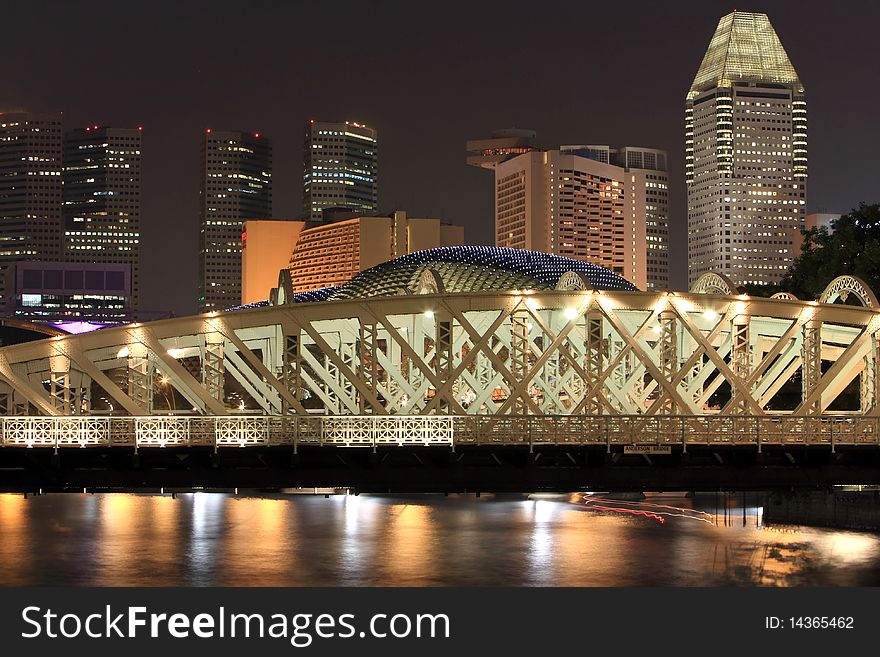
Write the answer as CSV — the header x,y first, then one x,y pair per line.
x,y
454,269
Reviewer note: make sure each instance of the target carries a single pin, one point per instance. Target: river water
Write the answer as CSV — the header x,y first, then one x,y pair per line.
x,y
303,540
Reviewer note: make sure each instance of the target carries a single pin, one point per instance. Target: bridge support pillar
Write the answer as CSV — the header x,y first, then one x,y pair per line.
x,y
740,353
443,342
212,365
811,363
291,373
595,361
140,376
519,358
368,365
667,348
59,383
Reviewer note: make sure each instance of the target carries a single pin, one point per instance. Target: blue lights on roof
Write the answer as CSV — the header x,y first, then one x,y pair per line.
x,y
476,269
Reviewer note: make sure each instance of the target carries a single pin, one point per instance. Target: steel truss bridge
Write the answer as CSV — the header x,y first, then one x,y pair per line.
x,y
681,388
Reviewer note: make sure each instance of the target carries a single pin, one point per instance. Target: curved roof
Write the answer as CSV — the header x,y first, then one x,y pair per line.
x,y
475,269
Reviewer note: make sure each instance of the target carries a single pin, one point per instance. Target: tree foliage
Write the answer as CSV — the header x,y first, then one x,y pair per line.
x,y
852,246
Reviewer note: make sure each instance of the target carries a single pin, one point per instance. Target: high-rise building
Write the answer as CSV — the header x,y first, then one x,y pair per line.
x,y
102,199
30,190
340,170
332,253
576,202
236,186
746,150
647,167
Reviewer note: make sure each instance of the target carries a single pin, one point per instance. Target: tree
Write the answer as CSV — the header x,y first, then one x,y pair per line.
x,y
852,246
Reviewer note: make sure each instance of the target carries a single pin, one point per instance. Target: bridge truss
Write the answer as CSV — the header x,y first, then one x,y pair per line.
x,y
656,364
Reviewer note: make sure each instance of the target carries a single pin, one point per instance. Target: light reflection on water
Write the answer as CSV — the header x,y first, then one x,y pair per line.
x,y
213,539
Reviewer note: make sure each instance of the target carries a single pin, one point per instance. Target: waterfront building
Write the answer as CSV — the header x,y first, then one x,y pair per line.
x,y
236,185
102,199
30,190
340,170
331,254
746,155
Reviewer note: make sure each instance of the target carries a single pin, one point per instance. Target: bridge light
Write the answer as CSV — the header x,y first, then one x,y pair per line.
x,y
531,303
175,353
122,353
429,314
571,313
684,305
710,315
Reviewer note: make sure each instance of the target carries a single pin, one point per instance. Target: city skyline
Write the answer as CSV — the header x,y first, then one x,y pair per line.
x,y
423,124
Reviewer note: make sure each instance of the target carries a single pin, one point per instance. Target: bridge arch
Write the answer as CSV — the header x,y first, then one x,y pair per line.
x,y
573,281
714,283
430,282
842,286
784,296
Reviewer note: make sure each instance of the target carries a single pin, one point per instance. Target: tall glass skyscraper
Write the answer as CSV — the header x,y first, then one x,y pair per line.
x,y
746,151
236,186
30,190
102,198
340,170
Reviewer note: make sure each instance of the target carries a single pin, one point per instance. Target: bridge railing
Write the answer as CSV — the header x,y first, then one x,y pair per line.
x,y
401,430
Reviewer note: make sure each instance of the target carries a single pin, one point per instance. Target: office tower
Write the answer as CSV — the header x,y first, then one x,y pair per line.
x,y
332,253
30,190
102,199
340,170
648,165
647,168
500,146
236,186
746,153
574,202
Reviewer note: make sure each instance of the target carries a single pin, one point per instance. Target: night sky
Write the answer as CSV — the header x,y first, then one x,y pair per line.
x,y
428,77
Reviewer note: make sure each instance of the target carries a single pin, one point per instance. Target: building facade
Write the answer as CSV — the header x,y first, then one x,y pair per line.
x,y
572,203
102,199
236,185
330,254
30,190
63,293
266,249
340,170
647,167
746,154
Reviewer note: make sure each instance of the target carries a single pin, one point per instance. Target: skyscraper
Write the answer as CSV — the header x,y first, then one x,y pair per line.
x,y
236,185
571,203
649,186
102,199
746,153
340,170
649,167
30,190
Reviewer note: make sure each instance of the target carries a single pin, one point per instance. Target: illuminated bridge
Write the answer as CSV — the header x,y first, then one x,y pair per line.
x,y
459,368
